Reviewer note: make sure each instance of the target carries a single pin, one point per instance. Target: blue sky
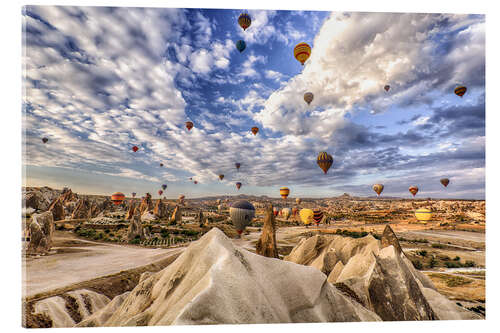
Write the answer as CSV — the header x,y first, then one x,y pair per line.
x,y
99,80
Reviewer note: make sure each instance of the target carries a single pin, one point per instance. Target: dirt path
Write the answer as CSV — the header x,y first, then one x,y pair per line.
x,y
80,260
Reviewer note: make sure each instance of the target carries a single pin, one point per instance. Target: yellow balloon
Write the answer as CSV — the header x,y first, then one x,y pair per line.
x,y
306,216
423,214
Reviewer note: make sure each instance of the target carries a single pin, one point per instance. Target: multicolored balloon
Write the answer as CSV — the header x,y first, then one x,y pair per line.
x,y
298,201
460,90
160,192
324,161
237,165
164,186
238,185
387,87
284,192
317,216
275,211
134,194
378,188
413,190
301,52
244,21
221,176
117,198
286,212
189,125
255,130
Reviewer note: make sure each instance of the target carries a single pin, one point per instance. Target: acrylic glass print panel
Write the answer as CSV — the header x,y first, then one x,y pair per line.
x,y
209,166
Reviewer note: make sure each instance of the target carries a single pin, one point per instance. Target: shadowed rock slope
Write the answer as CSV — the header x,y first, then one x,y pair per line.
x,y
379,275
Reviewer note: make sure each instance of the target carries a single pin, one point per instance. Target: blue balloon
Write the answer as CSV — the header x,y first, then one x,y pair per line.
x,y
241,45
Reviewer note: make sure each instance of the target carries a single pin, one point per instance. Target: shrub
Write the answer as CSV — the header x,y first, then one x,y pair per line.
x,y
422,253
457,258
107,231
469,263
451,264
135,241
433,262
417,264
437,246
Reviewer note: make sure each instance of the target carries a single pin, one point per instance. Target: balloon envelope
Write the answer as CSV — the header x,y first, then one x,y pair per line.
x,y
133,194
45,140
135,148
298,201
255,130
423,214
221,177
189,125
317,216
308,97
306,216
244,21
117,197
286,212
413,190
387,87
301,52
445,181
378,188
164,186
242,212
460,90
284,191
238,185
241,45
324,161
237,165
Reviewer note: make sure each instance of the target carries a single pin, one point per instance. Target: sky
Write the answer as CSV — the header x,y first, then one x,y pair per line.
x,y
98,81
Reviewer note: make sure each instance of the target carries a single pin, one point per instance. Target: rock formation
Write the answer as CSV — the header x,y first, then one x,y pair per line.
x,y
57,210
69,308
215,282
176,217
161,209
81,210
40,230
380,276
390,238
94,210
131,210
266,245
146,204
135,230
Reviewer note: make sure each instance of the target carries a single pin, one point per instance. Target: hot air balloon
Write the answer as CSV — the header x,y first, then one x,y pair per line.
x,y
306,216
308,97
413,190
445,181
189,125
161,164
301,52
135,148
378,188
181,199
286,212
324,161
241,45
255,130
237,165
196,182
190,178
423,214
238,185
294,211
133,194
164,186
298,201
117,197
244,21
284,191
242,212
160,192
317,216
275,211
387,87
460,90
221,176
45,140
218,201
